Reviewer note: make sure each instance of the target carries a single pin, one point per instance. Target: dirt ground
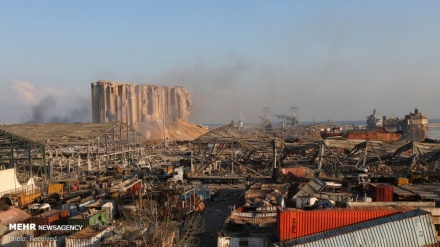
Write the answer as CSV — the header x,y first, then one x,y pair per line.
x,y
218,210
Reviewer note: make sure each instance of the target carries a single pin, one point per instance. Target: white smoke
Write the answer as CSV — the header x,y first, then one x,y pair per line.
x,y
25,91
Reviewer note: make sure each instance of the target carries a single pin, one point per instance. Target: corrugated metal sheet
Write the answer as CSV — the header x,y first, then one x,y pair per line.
x,y
89,237
414,228
380,192
234,219
242,241
82,207
42,243
13,215
294,223
421,193
314,186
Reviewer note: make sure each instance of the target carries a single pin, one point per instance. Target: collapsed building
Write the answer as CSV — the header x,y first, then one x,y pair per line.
x,y
155,111
49,150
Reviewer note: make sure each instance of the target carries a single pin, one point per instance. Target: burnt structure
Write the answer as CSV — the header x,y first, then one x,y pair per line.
x,y
143,107
48,149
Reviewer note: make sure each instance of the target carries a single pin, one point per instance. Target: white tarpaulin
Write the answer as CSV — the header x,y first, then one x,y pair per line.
x,y
8,180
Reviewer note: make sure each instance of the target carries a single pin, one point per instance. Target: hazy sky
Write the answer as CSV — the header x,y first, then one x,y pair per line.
x,y
335,60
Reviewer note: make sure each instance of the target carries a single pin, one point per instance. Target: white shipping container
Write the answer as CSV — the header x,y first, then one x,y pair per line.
x,y
110,210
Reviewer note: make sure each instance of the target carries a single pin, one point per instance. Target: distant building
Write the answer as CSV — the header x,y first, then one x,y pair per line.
x,y
374,121
391,124
414,126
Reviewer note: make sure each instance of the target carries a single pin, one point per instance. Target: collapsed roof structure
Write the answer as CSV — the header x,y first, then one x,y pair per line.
x,y
78,146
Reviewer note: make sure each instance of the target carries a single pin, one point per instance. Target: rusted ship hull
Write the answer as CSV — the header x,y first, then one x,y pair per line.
x,y
374,135
325,135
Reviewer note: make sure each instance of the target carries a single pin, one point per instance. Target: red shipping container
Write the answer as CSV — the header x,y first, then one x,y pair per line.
x,y
294,223
381,192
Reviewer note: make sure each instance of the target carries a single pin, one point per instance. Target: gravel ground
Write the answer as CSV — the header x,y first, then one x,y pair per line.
x,y
217,211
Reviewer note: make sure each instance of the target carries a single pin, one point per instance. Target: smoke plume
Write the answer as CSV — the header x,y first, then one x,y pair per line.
x,y
45,111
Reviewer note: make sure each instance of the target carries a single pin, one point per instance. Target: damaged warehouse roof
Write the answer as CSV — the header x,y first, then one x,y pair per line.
x,y
84,142
59,133
225,134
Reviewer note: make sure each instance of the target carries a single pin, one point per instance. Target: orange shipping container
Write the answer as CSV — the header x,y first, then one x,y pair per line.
x,y
294,223
55,189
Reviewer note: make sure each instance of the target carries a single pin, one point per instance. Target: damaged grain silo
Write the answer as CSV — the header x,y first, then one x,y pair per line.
x,y
150,109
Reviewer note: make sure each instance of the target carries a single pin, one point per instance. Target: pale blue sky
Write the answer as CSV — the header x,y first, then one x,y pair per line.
x,y
335,60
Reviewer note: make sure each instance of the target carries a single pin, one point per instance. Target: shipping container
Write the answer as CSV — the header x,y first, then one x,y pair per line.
x,y
13,215
413,228
23,196
73,210
242,241
98,218
77,208
204,194
108,205
55,189
294,223
380,192
88,237
111,210
51,217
